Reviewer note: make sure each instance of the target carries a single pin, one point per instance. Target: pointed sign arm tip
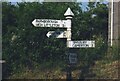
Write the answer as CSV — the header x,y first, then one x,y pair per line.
x,y
34,22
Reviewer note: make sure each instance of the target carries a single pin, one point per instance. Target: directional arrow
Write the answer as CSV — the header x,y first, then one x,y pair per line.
x,y
57,34
49,23
34,22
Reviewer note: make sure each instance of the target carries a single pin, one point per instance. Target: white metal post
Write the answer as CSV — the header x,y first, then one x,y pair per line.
x,y
68,31
68,15
112,22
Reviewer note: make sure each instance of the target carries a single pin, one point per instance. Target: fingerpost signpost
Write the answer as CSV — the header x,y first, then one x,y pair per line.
x,y
64,34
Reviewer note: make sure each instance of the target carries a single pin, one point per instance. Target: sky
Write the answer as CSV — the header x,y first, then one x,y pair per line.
x,y
20,0
49,0
84,4
40,0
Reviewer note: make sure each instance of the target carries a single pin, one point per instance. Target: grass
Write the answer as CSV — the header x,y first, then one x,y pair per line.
x,y
105,68
42,71
101,69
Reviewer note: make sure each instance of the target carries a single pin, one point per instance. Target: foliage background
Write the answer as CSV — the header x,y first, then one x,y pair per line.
x,y
30,54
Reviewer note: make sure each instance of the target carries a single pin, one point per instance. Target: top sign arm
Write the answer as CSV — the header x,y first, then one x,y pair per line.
x,y
49,23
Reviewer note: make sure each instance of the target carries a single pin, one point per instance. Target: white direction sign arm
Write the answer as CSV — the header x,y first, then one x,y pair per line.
x,y
49,23
81,44
57,34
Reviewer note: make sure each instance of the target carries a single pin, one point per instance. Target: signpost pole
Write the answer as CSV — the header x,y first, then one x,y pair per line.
x,y
64,34
68,14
